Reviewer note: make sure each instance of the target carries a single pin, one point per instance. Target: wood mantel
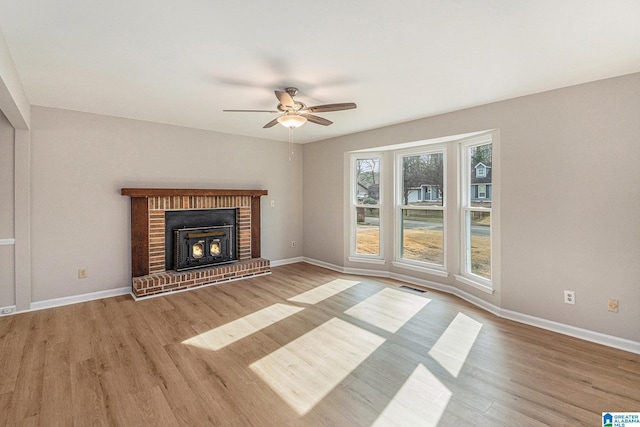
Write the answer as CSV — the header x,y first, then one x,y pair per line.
x,y
154,192
140,214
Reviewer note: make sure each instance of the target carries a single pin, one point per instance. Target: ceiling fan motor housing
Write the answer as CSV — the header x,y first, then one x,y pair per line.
x,y
298,111
292,91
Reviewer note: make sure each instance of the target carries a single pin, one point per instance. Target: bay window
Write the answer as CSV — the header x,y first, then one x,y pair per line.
x,y
441,208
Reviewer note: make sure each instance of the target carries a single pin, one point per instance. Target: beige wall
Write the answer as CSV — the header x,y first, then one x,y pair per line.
x,y
6,178
80,161
7,296
570,200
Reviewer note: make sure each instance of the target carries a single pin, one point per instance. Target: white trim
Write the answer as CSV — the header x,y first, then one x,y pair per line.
x,y
413,144
550,325
58,302
7,242
474,284
363,272
573,331
356,258
286,261
5,311
420,269
323,264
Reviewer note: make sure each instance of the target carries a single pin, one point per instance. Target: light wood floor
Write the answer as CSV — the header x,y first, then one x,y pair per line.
x,y
272,351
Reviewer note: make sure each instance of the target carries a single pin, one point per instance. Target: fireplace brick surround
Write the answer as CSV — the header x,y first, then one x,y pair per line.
x,y
148,207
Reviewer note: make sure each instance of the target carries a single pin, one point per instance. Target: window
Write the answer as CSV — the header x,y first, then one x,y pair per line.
x,y
366,207
442,208
482,191
476,211
420,207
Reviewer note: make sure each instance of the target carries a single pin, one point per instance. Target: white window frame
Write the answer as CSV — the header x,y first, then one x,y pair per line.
x,y
423,266
464,181
354,204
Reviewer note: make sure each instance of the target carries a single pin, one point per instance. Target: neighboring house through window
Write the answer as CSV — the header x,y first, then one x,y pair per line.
x,y
481,176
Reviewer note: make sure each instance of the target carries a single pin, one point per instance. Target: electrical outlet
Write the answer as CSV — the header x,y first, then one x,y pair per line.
x,y
83,273
293,243
613,305
273,203
569,297
7,310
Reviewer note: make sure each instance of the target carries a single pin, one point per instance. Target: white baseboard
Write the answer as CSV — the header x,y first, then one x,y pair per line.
x,y
57,302
323,264
285,261
5,311
550,325
572,331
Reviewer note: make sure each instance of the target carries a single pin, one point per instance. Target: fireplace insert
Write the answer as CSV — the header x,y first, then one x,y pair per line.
x,y
202,246
200,237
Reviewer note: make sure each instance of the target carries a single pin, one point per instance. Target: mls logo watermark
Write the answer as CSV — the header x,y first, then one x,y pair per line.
x,y
620,419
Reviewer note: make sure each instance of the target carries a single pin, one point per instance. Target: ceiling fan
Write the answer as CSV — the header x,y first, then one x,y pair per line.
x,y
295,113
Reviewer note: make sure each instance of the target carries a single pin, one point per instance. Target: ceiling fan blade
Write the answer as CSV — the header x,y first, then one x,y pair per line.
x,y
331,107
271,124
250,111
317,120
284,98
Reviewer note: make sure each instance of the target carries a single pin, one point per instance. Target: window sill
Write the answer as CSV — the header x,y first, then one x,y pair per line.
x,y
475,284
427,270
367,260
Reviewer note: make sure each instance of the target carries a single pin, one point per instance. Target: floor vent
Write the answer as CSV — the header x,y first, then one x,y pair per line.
x,y
413,289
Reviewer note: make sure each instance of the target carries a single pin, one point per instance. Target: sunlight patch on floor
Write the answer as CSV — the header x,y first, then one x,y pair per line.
x,y
323,292
389,309
231,332
308,368
453,346
421,401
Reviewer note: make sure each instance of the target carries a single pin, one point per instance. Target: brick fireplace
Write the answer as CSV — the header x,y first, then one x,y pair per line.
x,y
148,220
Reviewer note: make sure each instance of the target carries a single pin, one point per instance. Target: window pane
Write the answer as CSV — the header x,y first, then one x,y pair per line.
x,y
368,231
422,236
367,189
480,176
479,228
422,180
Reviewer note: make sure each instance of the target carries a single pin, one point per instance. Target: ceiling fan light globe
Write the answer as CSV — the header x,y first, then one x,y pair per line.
x,y
292,121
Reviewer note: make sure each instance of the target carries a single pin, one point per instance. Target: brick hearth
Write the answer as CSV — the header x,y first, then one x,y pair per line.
x,y
148,207
170,281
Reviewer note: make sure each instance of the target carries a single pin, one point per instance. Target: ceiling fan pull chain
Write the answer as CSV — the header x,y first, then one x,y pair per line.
x,y
290,143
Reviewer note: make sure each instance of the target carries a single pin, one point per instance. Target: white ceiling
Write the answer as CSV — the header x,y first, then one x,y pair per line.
x,y
183,62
